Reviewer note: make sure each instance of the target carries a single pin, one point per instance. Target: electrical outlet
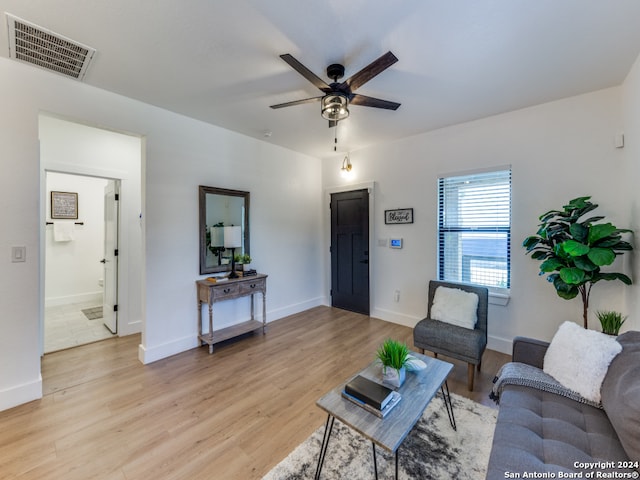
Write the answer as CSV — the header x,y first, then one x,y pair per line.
x,y
18,254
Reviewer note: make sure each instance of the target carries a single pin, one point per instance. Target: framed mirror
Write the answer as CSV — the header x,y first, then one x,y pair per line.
x,y
219,208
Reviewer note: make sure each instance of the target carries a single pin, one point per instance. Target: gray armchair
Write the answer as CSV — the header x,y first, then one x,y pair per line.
x,y
453,341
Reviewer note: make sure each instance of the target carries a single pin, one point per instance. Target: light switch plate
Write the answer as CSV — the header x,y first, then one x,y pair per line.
x,y
18,254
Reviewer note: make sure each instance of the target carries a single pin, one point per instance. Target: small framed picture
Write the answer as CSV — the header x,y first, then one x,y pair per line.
x,y
401,215
64,205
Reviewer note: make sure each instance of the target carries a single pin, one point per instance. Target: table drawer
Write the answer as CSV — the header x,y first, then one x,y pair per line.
x,y
220,292
257,285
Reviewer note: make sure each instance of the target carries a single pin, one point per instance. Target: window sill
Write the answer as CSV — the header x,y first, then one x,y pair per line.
x,y
499,298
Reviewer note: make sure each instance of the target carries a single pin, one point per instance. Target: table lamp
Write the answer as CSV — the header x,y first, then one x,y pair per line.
x,y
233,240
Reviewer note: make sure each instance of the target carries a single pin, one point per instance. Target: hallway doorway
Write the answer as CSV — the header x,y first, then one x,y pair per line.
x,y
79,151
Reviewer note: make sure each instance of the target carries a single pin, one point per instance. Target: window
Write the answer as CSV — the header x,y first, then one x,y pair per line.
x,y
474,228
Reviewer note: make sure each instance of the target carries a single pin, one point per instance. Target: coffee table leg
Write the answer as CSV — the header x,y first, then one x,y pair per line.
x,y
328,427
397,463
375,462
447,403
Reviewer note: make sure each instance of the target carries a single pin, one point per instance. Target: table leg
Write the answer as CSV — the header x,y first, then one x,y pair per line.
x,y
200,320
328,427
264,311
210,326
375,463
447,403
397,462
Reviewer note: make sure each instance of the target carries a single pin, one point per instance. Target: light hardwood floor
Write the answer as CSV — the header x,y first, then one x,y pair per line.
x,y
230,415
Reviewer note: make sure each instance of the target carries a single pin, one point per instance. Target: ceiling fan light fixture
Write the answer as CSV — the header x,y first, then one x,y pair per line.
x,y
335,107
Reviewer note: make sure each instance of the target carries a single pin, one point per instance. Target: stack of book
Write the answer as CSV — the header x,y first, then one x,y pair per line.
x,y
371,396
248,273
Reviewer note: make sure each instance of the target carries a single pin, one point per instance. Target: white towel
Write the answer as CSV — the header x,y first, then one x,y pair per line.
x,y
63,231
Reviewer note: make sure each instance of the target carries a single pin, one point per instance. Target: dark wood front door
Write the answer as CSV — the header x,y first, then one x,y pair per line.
x,y
350,251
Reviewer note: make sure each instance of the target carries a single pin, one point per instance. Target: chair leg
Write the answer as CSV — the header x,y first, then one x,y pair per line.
x,y
479,363
435,355
421,350
470,375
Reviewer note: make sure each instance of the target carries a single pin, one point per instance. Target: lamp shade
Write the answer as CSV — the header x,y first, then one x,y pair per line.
x,y
232,237
217,236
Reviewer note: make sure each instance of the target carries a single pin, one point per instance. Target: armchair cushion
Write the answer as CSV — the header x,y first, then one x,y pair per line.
x,y
451,340
455,306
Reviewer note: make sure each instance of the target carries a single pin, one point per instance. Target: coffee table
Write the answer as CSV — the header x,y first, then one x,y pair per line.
x,y
389,432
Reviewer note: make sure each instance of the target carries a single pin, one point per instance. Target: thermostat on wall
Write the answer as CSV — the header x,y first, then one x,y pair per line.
x,y
395,243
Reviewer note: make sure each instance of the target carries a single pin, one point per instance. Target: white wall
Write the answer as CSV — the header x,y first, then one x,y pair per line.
x,y
284,227
73,268
178,155
558,151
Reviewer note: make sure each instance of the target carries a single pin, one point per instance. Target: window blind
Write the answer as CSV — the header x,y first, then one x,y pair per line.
x,y
474,228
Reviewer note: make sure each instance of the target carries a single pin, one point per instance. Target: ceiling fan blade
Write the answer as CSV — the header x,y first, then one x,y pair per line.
x,y
370,71
296,102
305,72
365,101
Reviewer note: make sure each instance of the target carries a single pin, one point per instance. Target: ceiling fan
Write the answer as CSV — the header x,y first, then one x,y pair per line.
x,y
337,96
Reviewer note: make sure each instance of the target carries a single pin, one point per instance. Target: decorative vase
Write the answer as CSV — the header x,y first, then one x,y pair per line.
x,y
394,376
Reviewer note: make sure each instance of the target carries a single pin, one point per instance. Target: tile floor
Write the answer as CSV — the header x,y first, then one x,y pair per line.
x,y
66,326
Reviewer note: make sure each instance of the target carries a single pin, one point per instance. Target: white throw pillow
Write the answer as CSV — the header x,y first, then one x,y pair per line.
x,y
579,359
455,306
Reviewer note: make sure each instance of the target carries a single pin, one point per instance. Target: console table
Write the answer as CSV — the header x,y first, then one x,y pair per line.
x,y
211,292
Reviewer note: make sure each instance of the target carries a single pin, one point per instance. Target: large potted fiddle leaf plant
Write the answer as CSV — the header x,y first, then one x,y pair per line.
x,y
573,249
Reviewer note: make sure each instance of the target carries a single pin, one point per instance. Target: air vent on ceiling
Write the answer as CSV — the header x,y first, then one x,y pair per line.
x,y
46,49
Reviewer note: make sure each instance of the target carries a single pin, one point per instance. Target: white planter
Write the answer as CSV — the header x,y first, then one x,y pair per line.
x,y
394,377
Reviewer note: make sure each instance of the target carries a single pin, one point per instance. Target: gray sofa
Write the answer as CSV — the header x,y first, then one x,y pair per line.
x,y
539,432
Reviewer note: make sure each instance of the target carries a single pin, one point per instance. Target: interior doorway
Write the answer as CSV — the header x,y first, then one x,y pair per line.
x,y
78,150
80,269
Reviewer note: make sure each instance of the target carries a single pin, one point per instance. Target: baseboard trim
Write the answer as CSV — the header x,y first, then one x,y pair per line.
x,y
279,313
499,344
19,394
94,297
395,317
153,354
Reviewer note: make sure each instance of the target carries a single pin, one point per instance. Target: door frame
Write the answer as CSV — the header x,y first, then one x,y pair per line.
x,y
326,215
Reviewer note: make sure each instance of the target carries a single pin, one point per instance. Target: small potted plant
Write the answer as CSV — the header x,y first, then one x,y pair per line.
x,y
610,321
242,261
394,357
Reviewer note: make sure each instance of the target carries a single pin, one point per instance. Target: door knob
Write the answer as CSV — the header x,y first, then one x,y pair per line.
x,y
104,260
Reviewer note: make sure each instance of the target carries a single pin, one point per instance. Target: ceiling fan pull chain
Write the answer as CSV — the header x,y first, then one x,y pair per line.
x,y
335,138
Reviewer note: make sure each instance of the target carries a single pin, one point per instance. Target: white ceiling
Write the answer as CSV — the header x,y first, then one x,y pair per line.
x,y
459,60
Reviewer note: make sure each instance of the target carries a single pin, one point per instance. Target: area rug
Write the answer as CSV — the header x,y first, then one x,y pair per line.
x,y
433,450
93,313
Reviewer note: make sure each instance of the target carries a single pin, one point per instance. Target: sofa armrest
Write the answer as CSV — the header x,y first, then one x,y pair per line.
x,y
529,351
